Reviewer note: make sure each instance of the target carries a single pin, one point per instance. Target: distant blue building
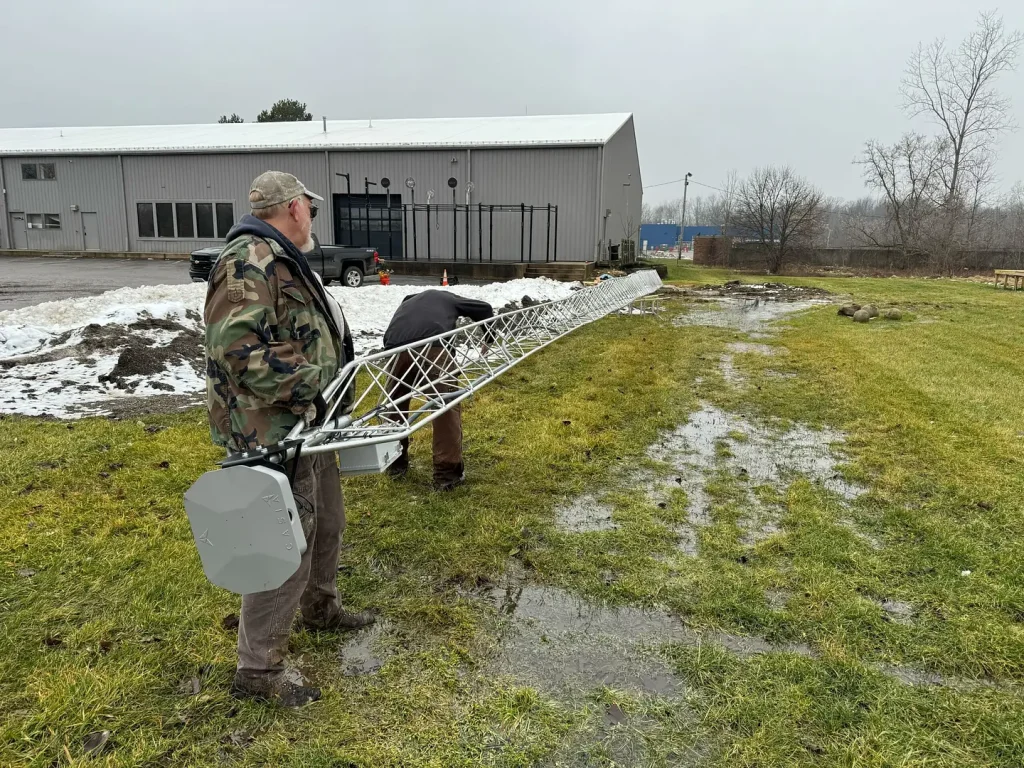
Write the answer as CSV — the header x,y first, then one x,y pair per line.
x,y
655,236
667,235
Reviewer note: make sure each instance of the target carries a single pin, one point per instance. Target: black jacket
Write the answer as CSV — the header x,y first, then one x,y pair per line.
x,y
427,314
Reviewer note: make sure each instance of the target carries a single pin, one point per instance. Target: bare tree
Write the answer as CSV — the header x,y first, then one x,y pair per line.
x,y
698,211
956,89
908,176
647,214
1013,229
662,213
730,188
780,210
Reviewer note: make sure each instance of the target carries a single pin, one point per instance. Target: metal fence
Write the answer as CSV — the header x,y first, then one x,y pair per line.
x,y
474,232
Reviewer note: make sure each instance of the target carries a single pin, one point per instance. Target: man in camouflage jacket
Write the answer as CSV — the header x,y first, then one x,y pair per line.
x,y
274,340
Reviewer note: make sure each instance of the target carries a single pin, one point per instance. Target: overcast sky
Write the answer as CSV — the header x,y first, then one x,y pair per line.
x,y
713,85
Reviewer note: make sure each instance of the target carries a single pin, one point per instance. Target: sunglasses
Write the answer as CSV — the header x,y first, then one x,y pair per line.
x,y
313,208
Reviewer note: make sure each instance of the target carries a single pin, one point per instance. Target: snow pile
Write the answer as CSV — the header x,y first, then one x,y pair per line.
x,y
83,356
30,329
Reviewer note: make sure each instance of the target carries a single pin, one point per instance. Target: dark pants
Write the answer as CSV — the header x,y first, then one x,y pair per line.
x,y
267,617
447,428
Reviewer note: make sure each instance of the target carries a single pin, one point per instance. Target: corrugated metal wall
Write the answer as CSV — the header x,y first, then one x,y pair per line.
x,y
5,222
566,177
621,165
91,183
563,177
213,178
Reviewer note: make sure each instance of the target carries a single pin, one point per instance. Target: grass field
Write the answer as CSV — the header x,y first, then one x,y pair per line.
x,y
882,629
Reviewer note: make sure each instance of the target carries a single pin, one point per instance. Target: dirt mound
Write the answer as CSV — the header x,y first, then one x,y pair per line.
x,y
158,323
137,360
141,356
769,291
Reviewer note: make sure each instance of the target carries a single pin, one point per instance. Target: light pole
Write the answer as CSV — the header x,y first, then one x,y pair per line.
x,y
348,197
682,218
367,184
629,224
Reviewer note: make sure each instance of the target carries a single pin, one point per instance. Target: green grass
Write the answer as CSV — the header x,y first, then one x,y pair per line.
x,y
118,612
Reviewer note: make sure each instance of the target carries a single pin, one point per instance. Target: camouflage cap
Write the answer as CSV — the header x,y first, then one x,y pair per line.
x,y
275,187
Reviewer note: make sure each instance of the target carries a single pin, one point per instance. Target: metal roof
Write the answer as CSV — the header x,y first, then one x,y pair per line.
x,y
463,132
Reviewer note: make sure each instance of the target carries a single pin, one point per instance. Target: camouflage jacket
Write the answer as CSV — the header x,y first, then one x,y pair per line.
x,y
270,347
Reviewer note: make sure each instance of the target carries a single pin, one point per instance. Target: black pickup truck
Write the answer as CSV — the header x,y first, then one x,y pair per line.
x,y
345,263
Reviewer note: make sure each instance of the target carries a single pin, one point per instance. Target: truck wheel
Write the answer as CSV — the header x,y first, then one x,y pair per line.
x,y
352,277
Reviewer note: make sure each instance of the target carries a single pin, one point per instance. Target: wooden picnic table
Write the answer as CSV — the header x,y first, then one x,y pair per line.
x,y
1006,274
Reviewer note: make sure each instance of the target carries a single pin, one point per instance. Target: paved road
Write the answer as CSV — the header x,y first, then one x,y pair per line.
x,y
30,280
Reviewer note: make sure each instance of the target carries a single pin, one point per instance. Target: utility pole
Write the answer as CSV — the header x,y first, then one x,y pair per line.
x,y
682,218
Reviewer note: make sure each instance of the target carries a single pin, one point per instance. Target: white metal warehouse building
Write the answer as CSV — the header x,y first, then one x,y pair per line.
x,y
171,189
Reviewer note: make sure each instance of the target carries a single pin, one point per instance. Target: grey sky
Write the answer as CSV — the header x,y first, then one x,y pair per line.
x,y
713,85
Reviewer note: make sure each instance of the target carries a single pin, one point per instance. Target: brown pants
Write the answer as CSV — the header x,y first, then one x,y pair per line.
x,y
447,428
267,617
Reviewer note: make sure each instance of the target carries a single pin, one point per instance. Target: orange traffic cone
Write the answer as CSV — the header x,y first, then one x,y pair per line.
x,y
444,278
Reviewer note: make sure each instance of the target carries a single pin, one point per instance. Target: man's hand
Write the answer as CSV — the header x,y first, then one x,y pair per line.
x,y
484,349
317,411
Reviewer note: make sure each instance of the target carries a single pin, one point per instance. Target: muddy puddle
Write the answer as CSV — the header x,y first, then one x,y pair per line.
x,y
713,441
727,362
568,647
752,316
749,308
625,736
898,611
713,445
367,650
584,513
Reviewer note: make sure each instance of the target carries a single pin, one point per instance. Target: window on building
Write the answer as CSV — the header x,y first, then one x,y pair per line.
x,y
145,212
164,220
204,220
35,220
225,218
37,171
183,215
51,221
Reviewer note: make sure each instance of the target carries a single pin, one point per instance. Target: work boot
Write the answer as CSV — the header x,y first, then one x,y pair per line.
x,y
449,485
287,688
343,621
397,472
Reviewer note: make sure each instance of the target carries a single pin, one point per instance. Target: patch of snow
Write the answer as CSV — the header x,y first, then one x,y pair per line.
x,y
181,378
66,387
159,336
27,329
62,388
